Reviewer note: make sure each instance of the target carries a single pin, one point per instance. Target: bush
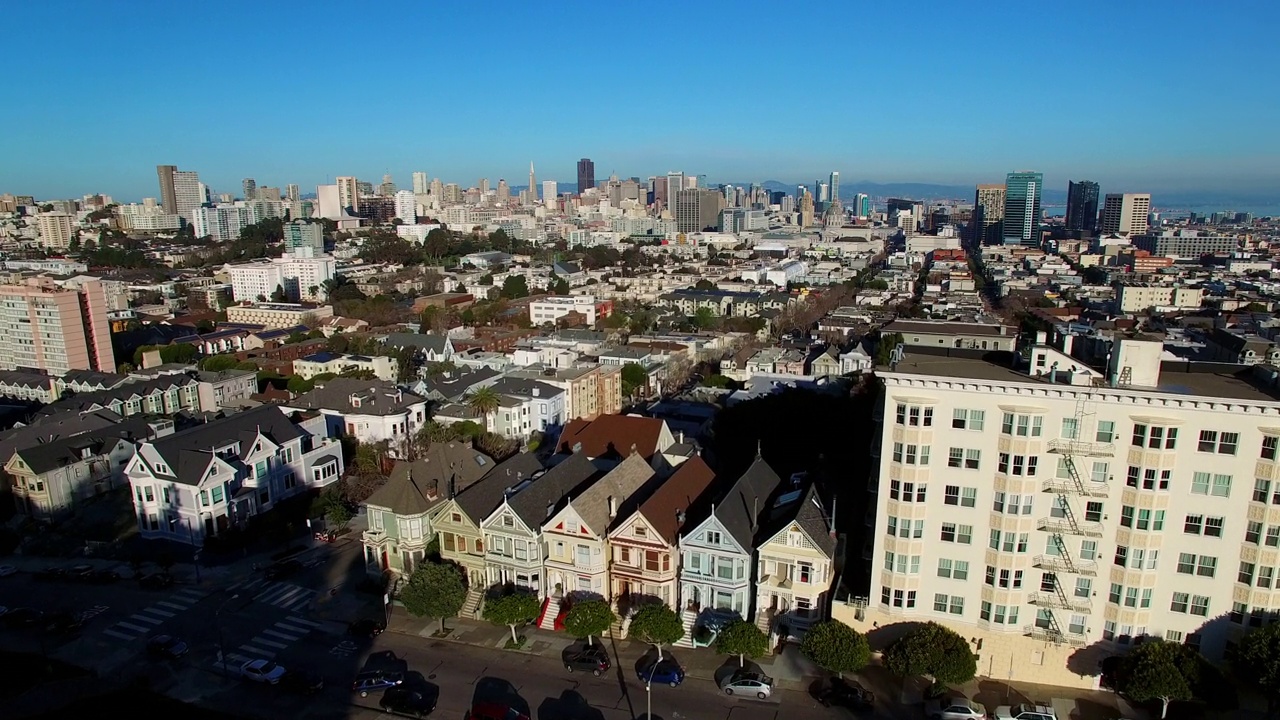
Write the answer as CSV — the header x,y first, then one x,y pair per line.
x,y
932,650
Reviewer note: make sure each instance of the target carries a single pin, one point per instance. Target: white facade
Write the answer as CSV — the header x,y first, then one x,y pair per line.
x,y
188,192
382,367
1040,518
406,206
223,223
1136,298
549,192
1125,213
56,229
550,309
301,278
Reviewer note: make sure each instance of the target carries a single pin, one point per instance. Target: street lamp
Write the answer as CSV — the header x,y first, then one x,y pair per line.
x,y
191,536
222,642
648,688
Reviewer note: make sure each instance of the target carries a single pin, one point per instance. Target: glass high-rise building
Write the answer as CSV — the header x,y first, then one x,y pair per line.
x,y
586,175
1082,205
1021,222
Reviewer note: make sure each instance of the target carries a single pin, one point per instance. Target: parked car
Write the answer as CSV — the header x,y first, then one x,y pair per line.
x,y
846,694
494,711
372,680
22,617
955,707
62,623
100,577
302,682
51,574
7,570
407,701
79,572
661,672
166,647
263,671
1026,711
282,570
587,658
155,581
748,683
365,628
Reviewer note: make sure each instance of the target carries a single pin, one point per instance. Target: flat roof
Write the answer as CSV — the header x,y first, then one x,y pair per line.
x,y
1237,386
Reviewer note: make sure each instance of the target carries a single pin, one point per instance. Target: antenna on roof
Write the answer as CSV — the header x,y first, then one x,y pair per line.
x,y
759,445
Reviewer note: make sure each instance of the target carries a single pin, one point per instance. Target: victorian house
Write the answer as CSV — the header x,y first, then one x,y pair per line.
x,y
795,564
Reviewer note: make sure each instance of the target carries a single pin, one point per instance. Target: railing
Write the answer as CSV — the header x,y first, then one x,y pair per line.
x,y
1055,636
1059,601
1080,447
1069,526
374,535
1072,487
1060,563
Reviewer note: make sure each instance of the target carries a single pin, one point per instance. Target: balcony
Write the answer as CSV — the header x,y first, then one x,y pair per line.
x,y
777,581
1081,448
1058,601
1055,636
1067,526
374,537
1058,563
1067,486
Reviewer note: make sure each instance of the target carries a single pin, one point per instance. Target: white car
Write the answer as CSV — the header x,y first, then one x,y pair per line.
x,y
1026,711
263,671
7,570
955,708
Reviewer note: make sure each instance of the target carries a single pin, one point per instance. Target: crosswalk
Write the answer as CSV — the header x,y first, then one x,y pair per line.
x,y
281,594
145,621
268,643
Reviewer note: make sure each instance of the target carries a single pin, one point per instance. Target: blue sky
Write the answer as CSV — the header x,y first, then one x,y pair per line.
x,y
1139,95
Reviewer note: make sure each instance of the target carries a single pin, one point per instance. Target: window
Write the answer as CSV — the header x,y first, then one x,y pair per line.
x,y
914,415
940,602
1273,536
1221,486
961,571
1099,473
713,537
1245,574
1070,429
1106,431
997,502
897,452
948,532
972,459
1238,611
1192,524
1155,437
1186,563
991,575
1222,443
951,495
944,568
1144,519
1213,526
968,497
1207,567
962,534
1253,532
1199,605
1264,576
1146,598
1122,556
1022,425
1131,597
1093,512
955,457
984,611
204,498
1088,549
1269,445
1180,602
968,419
1261,490
1003,465
957,605
216,494
1126,515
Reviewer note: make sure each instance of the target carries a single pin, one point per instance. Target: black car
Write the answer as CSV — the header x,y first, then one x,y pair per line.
x,y
155,581
23,617
62,623
588,658
166,647
847,694
282,570
302,682
365,628
413,702
51,574
100,577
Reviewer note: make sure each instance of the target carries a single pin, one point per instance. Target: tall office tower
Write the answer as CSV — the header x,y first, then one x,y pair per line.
x,y
806,208
1125,213
504,191
690,182
188,192
437,189
586,175
533,186
835,187
56,229
862,205
303,235
549,192
364,189
988,215
420,185
822,195
675,183
407,206
250,188
292,192
1082,205
1021,224
660,192
697,209
484,185
54,329
348,193
168,199
387,188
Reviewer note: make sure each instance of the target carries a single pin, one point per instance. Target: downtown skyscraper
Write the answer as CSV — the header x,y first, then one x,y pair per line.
x,y
586,175
988,214
1082,205
834,187
1021,223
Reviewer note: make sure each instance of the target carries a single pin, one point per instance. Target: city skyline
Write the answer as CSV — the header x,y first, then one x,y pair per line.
x,y
1097,131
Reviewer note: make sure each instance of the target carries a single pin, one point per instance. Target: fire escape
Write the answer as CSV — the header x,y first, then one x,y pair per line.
x,y
1069,488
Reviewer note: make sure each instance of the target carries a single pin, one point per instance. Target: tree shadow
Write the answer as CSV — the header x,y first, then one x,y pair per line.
x,y
730,666
385,661
1092,660
994,693
571,705
881,637
498,691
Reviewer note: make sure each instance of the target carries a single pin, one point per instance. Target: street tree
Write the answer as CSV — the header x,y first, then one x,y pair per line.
x,y
704,318
434,590
484,401
836,647
634,377
743,639
933,650
656,624
1257,660
515,286
512,610
588,618
1159,670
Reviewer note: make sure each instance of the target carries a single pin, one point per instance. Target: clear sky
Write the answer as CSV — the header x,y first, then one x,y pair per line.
x,y
1157,95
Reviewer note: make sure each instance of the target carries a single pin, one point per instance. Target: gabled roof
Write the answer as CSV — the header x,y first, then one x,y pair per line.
x,y
188,453
377,397
747,503
808,513
123,393
415,487
612,436
43,457
552,489
482,497
452,386
620,486
422,341
664,510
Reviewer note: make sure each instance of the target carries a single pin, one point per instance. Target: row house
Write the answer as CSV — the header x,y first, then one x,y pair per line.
x,y
162,395
368,410
201,482
794,564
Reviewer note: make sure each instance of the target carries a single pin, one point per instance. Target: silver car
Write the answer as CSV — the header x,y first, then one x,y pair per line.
x,y
1026,711
748,683
955,707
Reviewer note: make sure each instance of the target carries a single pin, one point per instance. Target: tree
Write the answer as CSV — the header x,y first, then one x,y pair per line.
x,y
836,647
1158,670
434,590
932,650
588,618
558,286
484,401
634,377
1257,660
656,624
218,363
704,318
299,385
278,295
517,608
743,639
704,284
515,286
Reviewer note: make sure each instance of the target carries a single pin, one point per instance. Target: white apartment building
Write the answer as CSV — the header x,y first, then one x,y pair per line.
x,y
302,278
1137,298
1125,213
1067,512
550,309
223,223
146,217
56,229
325,362
277,315
407,206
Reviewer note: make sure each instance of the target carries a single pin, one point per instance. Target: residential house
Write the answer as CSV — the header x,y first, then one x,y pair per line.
x,y
84,381
162,395
201,482
331,326
454,386
513,531
856,360
718,554
644,558
826,361
795,564
527,406
227,388
399,512
50,479
430,347
575,536
29,386
791,362
590,391
610,438
321,363
368,410
457,520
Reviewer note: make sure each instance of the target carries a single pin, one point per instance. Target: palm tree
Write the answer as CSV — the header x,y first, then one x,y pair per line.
x,y
484,401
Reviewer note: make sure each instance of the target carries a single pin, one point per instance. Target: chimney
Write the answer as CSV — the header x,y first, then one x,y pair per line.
x,y
551,507
755,512
613,507
633,448
679,518
577,448
833,515
680,437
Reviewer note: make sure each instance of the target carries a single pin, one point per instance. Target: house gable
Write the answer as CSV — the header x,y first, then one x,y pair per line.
x,y
567,523
638,531
498,520
218,471
450,514
711,535
793,541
